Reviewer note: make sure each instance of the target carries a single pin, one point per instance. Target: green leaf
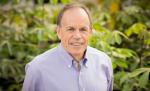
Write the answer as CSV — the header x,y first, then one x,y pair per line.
x,y
53,1
121,63
103,46
114,65
136,72
16,1
132,9
146,53
144,79
2,2
124,78
127,87
40,1
135,29
65,1
118,38
123,53
99,28
147,41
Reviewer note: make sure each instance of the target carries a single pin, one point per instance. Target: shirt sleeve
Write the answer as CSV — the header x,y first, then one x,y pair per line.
x,y
30,81
110,75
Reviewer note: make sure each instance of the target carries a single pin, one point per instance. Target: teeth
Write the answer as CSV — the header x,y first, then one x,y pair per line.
x,y
76,44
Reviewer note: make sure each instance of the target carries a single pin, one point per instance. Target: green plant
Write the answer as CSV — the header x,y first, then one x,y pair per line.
x,y
24,33
121,30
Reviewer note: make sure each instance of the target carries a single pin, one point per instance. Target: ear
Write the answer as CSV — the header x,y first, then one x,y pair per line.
x,y
93,31
58,32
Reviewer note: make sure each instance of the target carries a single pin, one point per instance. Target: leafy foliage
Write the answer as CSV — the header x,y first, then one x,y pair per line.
x,y
121,30
24,33
126,40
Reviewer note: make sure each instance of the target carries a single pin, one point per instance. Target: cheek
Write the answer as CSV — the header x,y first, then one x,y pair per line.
x,y
86,37
65,39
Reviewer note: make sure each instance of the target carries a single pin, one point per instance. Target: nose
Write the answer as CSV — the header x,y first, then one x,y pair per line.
x,y
77,35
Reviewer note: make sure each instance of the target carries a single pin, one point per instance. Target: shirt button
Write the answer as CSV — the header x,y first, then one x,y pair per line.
x,y
81,71
69,66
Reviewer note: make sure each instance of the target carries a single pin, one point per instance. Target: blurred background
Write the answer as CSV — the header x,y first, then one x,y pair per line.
x,y
122,30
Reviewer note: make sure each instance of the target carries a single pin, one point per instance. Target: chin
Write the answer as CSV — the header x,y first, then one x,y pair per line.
x,y
77,51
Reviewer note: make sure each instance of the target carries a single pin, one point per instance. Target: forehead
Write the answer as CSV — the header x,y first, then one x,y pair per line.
x,y
75,17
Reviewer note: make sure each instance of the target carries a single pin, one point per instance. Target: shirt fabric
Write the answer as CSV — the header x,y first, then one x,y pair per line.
x,y
55,70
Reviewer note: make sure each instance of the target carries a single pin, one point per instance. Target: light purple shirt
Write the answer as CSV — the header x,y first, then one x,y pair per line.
x,y
55,70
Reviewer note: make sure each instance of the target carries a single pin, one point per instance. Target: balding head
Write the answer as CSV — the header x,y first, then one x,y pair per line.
x,y
72,6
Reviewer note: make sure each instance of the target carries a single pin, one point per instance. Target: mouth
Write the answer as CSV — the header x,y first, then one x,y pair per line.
x,y
76,44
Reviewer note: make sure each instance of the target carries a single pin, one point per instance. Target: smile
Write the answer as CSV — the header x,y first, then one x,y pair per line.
x,y
76,44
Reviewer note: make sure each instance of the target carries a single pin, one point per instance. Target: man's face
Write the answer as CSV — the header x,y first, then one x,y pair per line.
x,y
74,31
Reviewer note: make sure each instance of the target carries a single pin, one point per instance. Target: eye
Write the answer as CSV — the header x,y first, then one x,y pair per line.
x,y
83,29
70,29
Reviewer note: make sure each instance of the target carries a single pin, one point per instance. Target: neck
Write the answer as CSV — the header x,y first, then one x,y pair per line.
x,y
78,57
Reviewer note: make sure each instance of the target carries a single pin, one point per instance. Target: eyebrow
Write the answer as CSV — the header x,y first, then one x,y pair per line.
x,y
84,27
79,28
69,27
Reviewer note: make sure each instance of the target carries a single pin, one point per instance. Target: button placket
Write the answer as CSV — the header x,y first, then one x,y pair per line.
x,y
81,84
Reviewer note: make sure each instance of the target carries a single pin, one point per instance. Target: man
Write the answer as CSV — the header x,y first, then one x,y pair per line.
x,y
73,65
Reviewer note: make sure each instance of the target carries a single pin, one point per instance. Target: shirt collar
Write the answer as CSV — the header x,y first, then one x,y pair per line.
x,y
68,58
86,57
65,55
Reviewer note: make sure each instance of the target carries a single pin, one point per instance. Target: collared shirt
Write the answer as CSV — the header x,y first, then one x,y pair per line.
x,y
55,70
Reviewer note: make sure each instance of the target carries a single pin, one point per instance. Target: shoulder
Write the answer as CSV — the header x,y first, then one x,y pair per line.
x,y
101,59
44,58
99,56
97,53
